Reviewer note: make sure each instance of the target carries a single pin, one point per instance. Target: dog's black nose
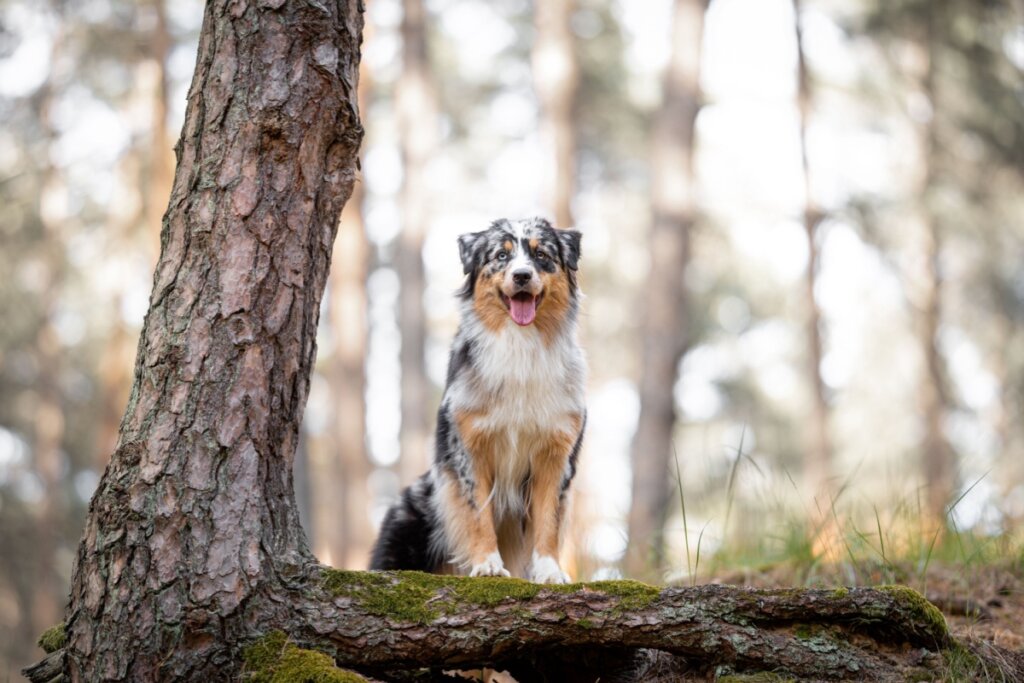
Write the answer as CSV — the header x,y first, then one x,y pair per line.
x,y
521,277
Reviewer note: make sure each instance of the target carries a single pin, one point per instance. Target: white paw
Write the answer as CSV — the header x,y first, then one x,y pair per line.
x,y
545,569
491,566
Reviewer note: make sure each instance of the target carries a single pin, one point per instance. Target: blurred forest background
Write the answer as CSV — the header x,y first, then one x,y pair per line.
x,y
803,259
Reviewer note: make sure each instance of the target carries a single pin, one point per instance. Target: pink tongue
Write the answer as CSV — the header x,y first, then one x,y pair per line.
x,y
523,310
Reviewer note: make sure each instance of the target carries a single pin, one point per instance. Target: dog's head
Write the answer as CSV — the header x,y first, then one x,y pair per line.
x,y
521,269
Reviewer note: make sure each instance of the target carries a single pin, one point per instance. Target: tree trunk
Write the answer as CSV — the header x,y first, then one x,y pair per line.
x,y
556,78
664,329
417,115
48,410
193,527
818,460
938,459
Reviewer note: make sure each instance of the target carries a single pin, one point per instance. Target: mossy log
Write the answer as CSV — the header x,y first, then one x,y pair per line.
x,y
382,622
412,626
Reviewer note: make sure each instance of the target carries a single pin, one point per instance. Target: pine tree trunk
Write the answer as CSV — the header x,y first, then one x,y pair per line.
x,y
556,78
194,526
664,329
818,460
938,459
48,410
417,114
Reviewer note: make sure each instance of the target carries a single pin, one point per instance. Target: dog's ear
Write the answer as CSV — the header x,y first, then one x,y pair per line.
x,y
469,250
570,243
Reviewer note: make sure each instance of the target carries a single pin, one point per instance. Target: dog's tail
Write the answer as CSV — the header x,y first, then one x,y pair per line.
x,y
408,532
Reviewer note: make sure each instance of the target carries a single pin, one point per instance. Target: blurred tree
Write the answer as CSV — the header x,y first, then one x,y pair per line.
x,y
989,131
556,78
194,521
54,340
48,429
664,310
915,37
161,161
939,459
342,498
416,104
818,460
148,166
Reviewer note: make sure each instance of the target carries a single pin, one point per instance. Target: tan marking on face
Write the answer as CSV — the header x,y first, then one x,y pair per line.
x,y
554,308
489,308
547,468
508,246
534,243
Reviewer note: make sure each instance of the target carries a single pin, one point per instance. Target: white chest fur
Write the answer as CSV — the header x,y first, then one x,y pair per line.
x,y
530,387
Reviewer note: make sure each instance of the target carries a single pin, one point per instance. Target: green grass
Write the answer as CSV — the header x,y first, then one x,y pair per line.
x,y
829,542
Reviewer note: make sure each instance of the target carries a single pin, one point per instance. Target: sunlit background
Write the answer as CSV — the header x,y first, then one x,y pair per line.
x,y
909,207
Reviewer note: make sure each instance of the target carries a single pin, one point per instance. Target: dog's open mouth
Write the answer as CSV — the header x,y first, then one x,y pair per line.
x,y
522,307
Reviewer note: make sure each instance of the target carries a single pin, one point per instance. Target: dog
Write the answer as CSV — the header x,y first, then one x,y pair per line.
x,y
511,420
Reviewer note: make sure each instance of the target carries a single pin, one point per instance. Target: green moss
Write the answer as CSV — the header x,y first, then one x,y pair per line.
x,y
403,596
422,598
53,638
803,631
273,659
840,592
585,623
922,610
491,591
633,594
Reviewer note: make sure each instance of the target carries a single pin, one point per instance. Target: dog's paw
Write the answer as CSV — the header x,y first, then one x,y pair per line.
x,y
491,566
545,569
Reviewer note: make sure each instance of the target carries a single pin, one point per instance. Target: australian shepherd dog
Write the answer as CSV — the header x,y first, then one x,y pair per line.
x,y
511,419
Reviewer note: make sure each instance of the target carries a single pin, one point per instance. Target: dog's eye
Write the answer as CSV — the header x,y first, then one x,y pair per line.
x,y
541,256
502,255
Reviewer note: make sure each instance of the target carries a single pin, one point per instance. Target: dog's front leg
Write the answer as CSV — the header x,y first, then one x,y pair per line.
x,y
547,473
469,515
469,526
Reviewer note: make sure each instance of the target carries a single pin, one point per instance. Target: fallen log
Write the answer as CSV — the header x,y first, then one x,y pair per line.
x,y
381,623
400,626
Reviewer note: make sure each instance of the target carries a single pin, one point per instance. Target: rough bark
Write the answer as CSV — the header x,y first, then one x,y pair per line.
x,y
556,79
418,122
193,527
388,625
664,329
